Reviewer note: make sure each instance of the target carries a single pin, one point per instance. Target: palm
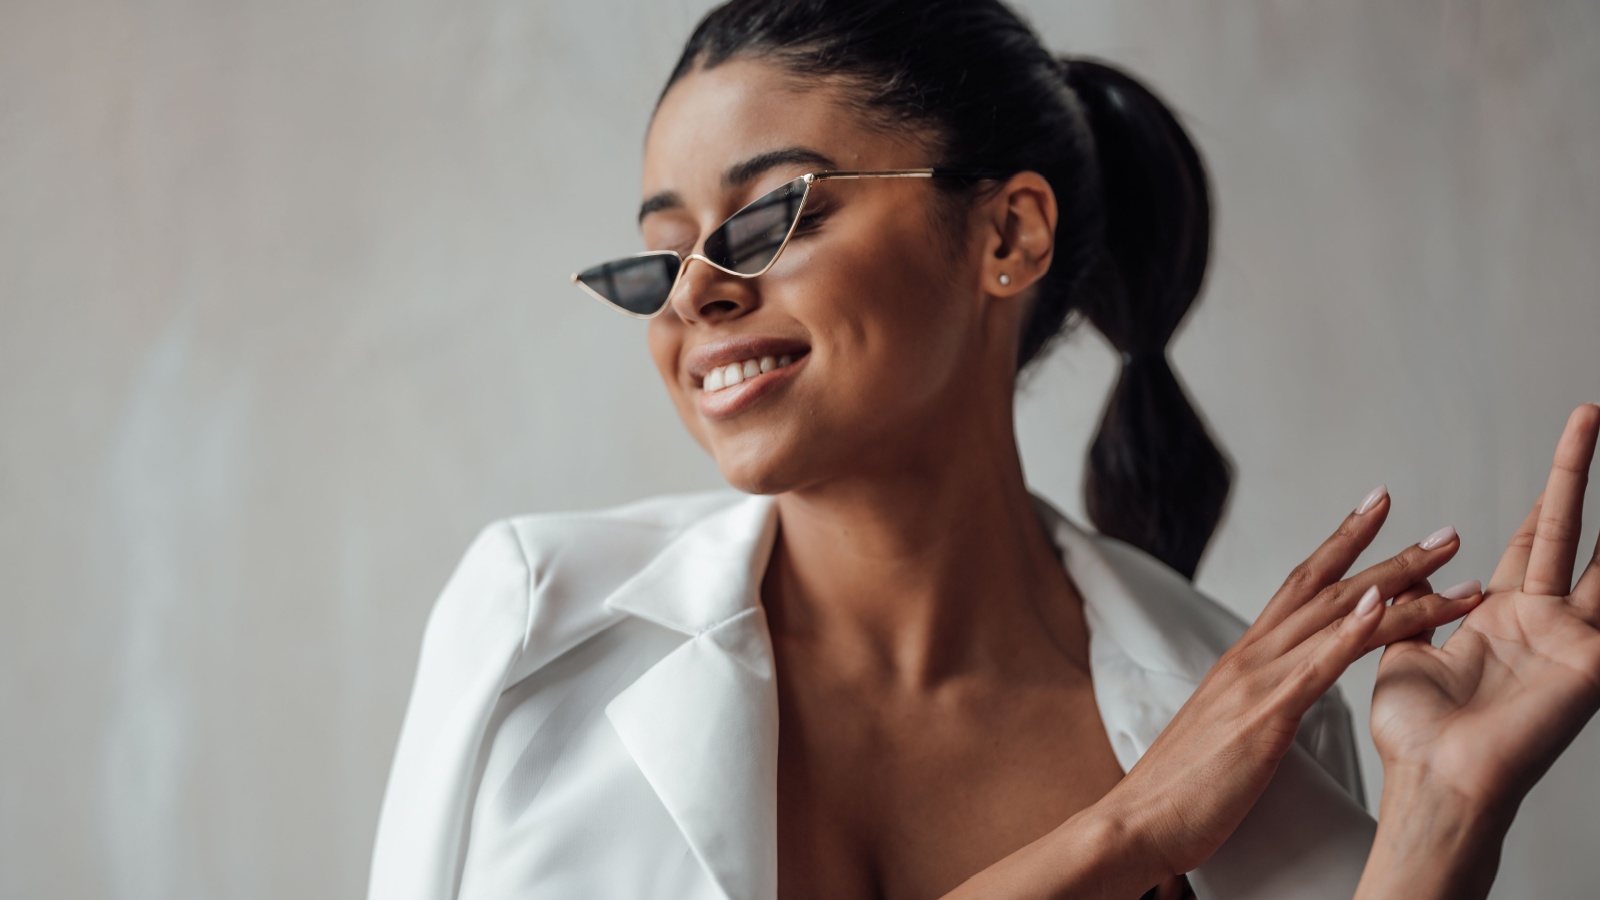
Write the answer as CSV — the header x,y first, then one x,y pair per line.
x,y
1490,704
1490,710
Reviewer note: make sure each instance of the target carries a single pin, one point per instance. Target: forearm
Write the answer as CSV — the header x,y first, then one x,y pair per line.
x,y
1095,854
1432,842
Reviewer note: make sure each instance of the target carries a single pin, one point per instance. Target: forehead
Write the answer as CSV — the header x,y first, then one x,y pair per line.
x,y
713,119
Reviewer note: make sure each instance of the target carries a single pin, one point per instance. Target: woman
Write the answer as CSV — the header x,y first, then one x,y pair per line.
x,y
976,697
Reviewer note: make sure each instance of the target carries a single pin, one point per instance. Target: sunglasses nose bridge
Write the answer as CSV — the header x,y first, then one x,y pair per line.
x,y
712,263
682,296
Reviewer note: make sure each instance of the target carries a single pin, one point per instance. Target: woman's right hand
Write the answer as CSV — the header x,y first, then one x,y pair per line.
x,y
1205,771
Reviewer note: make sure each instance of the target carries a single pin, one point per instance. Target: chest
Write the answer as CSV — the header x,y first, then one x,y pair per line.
x,y
892,796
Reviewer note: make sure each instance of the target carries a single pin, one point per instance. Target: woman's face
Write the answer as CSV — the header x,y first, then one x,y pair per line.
x,y
891,339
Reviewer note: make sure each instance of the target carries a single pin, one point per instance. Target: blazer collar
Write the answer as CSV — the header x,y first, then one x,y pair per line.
x,y
709,573
702,723
712,571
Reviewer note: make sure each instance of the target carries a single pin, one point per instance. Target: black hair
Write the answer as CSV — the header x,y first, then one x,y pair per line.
x,y
1134,225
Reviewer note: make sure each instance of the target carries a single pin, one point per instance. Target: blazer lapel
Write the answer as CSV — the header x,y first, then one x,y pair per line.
x,y
702,723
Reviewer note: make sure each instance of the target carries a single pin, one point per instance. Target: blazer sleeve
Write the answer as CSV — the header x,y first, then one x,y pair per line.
x,y
474,635
1328,733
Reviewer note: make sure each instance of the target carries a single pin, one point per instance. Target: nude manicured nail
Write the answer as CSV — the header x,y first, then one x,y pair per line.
x,y
1462,591
1438,538
1372,498
1368,602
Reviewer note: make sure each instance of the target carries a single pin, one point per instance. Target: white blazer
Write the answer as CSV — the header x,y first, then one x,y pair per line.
x,y
594,715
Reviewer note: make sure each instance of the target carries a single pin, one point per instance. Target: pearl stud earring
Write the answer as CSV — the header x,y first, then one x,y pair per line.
x,y
1004,278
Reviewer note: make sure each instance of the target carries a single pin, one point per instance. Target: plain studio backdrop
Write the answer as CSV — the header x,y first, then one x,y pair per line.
x,y
285,319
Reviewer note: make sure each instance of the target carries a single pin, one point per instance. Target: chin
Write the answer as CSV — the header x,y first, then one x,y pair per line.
x,y
754,479
759,467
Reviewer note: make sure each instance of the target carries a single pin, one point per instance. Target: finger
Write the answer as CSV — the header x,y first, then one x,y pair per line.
x,y
1420,616
1586,593
1390,576
1420,589
1555,541
1514,562
1415,592
1316,667
1330,561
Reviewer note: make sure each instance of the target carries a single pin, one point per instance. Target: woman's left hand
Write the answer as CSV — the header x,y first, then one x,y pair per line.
x,y
1482,717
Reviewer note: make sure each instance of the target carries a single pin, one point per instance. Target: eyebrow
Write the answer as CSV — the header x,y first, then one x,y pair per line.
x,y
740,174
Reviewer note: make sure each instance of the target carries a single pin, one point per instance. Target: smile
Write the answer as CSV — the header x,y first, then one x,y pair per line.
x,y
727,376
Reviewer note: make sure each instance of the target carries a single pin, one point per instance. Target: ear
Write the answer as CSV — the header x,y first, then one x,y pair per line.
x,y
1019,228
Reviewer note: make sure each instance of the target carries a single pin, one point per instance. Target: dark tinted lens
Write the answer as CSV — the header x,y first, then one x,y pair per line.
x,y
638,284
751,237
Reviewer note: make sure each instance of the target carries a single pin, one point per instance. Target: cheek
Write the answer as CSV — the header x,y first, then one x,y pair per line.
x,y
897,326
666,342
666,347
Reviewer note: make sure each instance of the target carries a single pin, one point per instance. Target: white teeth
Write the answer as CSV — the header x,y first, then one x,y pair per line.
x,y
733,373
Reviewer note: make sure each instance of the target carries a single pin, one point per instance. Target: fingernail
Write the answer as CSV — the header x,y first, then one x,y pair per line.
x,y
1368,602
1438,538
1372,498
1462,591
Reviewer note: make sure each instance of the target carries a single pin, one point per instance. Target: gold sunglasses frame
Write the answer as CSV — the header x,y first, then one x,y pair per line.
x,y
810,178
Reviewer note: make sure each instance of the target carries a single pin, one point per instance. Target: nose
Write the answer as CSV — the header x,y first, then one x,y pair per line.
x,y
705,294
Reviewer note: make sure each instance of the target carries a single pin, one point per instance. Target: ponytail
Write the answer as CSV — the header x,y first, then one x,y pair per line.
x,y
1155,477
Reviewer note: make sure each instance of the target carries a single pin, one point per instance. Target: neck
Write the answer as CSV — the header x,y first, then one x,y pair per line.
x,y
924,569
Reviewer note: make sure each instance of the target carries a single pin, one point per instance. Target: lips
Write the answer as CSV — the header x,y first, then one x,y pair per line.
x,y
724,377
733,374
703,360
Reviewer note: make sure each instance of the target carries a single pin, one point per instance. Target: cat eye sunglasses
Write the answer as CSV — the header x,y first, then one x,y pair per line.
x,y
745,245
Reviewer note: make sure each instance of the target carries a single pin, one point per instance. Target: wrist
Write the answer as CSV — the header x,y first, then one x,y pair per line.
x,y
1121,857
1091,855
1433,840
1410,788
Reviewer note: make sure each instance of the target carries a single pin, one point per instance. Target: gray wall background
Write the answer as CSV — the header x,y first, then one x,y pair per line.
x,y
284,321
